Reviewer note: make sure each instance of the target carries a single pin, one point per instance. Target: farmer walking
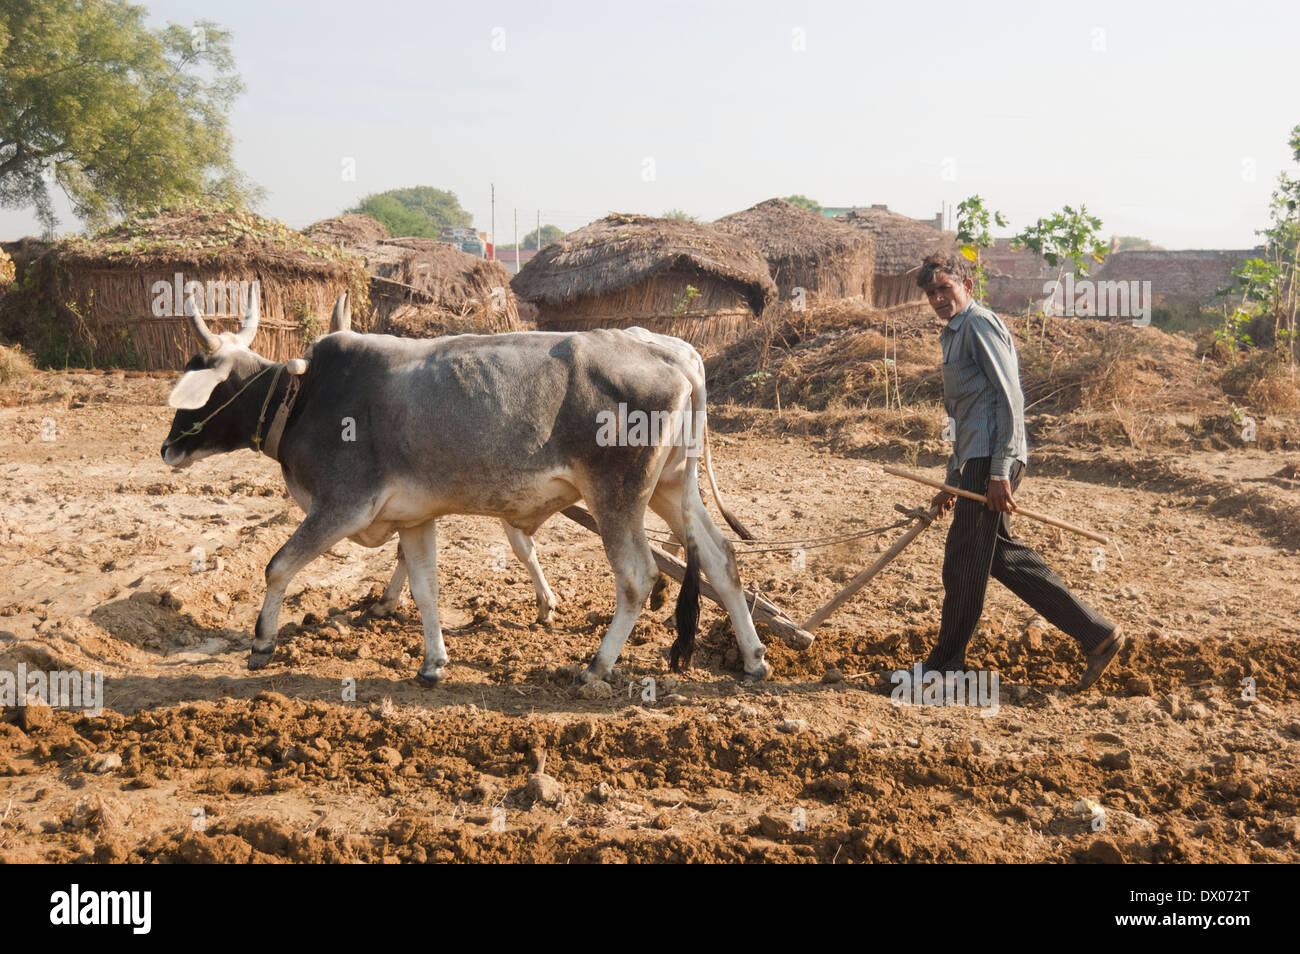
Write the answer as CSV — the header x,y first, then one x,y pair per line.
x,y
982,396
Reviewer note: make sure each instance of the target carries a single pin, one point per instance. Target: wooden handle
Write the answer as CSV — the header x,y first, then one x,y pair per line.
x,y
1041,518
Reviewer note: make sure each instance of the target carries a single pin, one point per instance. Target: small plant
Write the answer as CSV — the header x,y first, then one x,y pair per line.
x,y
1068,237
1232,332
973,222
683,303
309,325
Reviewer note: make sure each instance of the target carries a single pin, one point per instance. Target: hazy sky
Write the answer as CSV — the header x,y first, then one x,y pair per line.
x,y
1167,120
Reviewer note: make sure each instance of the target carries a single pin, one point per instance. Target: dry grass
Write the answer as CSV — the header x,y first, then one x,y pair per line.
x,y
15,364
1265,382
864,377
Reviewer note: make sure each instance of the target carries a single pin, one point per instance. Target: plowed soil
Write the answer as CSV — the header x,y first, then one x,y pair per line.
x,y
111,562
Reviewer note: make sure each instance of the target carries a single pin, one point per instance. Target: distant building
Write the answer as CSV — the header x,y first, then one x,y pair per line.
x,y
1177,276
514,260
837,210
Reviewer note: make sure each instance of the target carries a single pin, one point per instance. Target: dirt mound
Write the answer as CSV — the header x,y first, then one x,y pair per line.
x,y
652,786
1086,381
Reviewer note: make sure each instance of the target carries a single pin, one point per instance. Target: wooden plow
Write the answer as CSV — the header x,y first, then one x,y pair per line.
x,y
800,636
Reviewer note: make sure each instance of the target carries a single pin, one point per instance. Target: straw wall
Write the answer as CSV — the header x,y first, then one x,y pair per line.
x,y
117,309
716,316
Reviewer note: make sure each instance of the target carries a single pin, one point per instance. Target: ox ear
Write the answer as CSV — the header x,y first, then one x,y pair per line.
x,y
195,387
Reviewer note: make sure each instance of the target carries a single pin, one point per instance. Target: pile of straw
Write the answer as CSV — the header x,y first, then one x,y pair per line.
x,y
423,288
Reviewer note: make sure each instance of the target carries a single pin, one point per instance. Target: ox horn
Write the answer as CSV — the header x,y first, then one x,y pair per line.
x,y
341,320
248,328
210,341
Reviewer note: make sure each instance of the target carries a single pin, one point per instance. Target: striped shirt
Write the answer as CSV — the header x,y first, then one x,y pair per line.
x,y
981,392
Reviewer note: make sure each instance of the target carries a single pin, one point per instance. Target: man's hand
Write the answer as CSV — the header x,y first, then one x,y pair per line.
x,y
944,501
999,496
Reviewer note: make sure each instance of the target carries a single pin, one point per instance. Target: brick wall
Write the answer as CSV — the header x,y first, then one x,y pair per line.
x,y
1176,277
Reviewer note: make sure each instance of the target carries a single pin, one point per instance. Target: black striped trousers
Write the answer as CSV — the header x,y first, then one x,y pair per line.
x,y
979,546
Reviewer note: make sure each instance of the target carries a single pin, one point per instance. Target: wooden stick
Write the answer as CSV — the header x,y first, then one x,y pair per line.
x,y
1041,518
761,608
861,580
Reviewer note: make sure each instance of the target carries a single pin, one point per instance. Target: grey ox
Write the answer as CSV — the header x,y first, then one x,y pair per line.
x,y
377,435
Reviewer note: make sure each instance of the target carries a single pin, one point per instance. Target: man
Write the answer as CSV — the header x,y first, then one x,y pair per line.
x,y
982,395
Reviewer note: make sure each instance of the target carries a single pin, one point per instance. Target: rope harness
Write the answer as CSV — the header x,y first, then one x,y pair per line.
x,y
743,547
198,426
271,444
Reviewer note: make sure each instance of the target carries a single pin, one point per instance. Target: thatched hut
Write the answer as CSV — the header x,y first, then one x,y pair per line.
x,y
347,230
423,288
668,275
901,245
827,259
119,298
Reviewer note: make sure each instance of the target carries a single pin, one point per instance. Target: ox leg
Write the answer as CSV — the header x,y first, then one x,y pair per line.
x,y
393,592
522,544
420,547
635,573
316,534
683,510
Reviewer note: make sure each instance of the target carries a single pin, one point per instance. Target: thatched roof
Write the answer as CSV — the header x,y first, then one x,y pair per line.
x,y
781,230
422,287
901,243
622,250
202,237
347,230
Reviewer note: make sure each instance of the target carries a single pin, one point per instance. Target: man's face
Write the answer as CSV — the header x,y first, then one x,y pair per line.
x,y
947,295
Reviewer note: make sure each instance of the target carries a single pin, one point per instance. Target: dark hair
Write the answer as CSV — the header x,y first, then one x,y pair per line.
x,y
951,262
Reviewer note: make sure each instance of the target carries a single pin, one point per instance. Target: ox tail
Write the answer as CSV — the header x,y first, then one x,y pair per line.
x,y
688,613
699,408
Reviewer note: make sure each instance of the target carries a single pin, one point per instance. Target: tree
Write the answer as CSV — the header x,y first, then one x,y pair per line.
x,y
803,202
679,215
550,233
973,222
114,113
1270,284
1132,243
1066,237
418,210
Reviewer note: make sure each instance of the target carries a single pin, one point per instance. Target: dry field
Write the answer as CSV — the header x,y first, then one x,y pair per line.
x,y
196,759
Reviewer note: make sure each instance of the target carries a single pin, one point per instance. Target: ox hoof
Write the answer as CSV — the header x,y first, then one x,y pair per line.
x,y
432,677
595,674
760,672
258,660
378,611
544,615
